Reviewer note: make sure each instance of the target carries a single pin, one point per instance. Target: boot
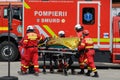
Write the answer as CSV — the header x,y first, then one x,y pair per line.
x,y
81,72
60,70
37,71
95,74
88,73
22,72
51,70
31,70
73,71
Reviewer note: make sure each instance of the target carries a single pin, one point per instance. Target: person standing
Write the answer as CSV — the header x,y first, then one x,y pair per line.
x,y
81,57
30,42
87,45
61,34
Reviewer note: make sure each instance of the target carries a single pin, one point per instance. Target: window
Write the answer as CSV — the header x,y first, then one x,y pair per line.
x,y
16,13
5,13
88,16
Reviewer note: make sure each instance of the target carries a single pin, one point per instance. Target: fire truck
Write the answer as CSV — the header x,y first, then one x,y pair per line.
x,y
51,16
15,33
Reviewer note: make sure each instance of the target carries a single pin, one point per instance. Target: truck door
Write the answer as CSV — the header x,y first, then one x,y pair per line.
x,y
116,39
0,17
88,15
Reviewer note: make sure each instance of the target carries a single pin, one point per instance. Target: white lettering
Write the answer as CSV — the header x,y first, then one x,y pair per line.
x,y
50,13
50,20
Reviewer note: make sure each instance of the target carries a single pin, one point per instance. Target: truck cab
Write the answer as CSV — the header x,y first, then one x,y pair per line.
x,y
15,32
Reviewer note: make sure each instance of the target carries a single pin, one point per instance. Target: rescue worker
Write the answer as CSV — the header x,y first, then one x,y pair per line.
x,y
87,45
61,34
80,55
65,61
30,42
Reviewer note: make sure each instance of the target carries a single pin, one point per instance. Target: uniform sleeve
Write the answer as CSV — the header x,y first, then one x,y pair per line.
x,y
25,41
82,45
20,42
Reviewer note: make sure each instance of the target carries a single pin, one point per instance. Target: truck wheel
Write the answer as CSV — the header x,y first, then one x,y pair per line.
x,y
4,54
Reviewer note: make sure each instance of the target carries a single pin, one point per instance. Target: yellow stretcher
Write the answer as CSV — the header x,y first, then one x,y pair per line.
x,y
66,45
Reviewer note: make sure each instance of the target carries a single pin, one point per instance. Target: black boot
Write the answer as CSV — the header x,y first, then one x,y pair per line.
x,y
88,73
31,70
22,72
95,74
51,70
81,72
72,71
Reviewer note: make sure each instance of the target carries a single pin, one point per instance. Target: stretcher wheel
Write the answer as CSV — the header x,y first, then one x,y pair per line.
x,y
8,78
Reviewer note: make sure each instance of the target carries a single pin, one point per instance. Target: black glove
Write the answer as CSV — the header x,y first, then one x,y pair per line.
x,y
46,39
77,55
41,41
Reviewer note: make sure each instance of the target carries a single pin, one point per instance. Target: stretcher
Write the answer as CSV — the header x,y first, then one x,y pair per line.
x,y
59,46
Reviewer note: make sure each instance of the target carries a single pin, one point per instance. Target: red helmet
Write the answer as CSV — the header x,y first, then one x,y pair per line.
x,y
86,32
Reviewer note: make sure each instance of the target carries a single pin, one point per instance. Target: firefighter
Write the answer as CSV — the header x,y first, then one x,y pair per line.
x,y
61,34
30,42
87,45
80,55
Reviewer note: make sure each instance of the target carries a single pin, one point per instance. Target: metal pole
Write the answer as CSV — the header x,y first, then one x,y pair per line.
x,y
9,28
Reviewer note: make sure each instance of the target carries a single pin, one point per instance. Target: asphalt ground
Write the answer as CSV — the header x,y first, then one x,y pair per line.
x,y
104,74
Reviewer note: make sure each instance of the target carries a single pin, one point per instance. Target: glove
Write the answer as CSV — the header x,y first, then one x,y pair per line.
x,y
77,54
41,41
47,39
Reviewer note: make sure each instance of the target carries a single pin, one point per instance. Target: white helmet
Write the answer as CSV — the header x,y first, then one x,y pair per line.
x,y
61,33
78,27
30,29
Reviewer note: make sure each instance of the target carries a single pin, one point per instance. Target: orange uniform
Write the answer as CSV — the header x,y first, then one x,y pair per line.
x,y
30,43
87,45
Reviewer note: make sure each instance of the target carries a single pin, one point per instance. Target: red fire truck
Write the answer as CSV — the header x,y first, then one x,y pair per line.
x,y
15,33
51,16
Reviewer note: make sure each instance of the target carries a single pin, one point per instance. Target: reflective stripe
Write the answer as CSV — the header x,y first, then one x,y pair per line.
x,y
24,66
26,5
83,44
85,60
32,36
94,70
88,68
101,40
3,28
50,31
36,66
106,40
41,38
25,40
89,47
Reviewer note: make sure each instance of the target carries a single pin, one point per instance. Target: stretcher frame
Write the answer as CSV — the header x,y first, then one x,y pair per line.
x,y
62,51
